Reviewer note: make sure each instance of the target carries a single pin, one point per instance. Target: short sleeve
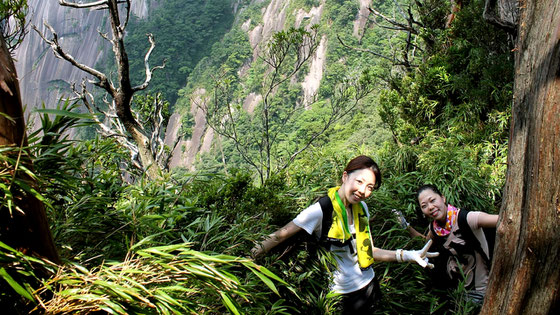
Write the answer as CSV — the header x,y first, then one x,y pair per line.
x,y
310,219
472,219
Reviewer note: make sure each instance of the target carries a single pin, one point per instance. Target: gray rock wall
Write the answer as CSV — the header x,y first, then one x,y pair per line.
x,y
43,77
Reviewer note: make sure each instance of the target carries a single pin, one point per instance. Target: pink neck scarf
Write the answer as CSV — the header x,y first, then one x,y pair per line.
x,y
450,221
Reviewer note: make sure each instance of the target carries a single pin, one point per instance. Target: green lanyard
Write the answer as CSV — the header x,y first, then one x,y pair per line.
x,y
344,215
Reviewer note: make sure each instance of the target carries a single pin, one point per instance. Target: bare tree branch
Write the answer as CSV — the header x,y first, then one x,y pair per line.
x,y
399,25
127,125
128,7
96,5
147,65
61,54
156,139
80,5
106,130
104,36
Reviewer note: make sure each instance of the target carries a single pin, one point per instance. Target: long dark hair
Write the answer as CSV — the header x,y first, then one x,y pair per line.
x,y
362,162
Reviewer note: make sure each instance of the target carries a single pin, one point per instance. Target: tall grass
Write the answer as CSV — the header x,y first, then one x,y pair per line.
x,y
171,279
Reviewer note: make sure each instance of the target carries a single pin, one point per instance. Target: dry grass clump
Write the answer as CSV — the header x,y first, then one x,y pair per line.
x,y
164,280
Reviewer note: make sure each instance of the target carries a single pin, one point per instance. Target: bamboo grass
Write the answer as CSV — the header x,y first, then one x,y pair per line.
x,y
169,279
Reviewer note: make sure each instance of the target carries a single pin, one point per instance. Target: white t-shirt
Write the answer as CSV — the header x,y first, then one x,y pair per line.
x,y
348,277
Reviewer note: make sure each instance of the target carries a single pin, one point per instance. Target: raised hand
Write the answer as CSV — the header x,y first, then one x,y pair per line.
x,y
419,256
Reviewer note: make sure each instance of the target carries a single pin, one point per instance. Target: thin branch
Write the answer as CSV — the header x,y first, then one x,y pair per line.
x,y
61,54
156,137
393,22
364,50
104,35
399,8
80,5
96,5
85,96
147,65
128,7
391,28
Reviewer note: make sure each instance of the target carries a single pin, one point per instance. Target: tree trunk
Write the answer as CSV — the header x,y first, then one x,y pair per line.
x,y
525,277
146,155
28,231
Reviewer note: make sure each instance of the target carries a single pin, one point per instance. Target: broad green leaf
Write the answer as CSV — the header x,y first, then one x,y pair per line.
x,y
15,285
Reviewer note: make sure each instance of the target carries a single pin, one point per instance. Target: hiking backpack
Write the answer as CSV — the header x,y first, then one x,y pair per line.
x,y
443,275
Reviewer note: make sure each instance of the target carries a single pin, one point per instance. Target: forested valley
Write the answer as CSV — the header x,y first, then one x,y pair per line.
x,y
209,124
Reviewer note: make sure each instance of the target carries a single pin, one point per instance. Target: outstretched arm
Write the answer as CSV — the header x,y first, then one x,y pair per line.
x,y
414,233
486,220
399,255
274,239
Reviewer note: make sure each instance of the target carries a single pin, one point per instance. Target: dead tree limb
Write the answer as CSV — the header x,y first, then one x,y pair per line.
x,y
122,91
396,24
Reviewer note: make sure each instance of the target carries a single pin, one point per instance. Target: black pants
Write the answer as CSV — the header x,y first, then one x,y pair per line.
x,y
363,300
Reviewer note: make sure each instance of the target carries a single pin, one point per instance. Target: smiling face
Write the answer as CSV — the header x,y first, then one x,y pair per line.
x,y
433,205
356,186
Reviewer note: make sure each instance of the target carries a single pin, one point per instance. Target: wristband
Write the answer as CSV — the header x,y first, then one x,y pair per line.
x,y
399,255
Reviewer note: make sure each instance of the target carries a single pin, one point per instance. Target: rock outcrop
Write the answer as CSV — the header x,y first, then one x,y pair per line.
x,y
43,77
274,20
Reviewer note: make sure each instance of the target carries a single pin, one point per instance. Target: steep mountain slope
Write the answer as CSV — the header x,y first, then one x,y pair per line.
x,y
255,25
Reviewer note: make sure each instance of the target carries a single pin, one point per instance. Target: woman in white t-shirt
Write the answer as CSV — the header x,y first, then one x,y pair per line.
x,y
349,236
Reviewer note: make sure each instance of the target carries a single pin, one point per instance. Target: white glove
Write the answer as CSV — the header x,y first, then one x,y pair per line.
x,y
419,256
400,217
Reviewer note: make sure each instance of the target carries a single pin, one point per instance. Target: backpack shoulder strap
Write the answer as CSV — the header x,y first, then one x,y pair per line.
x,y
490,234
327,208
464,224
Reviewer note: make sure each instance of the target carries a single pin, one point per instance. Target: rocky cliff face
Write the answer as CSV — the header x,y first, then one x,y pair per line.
x,y
43,77
274,20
